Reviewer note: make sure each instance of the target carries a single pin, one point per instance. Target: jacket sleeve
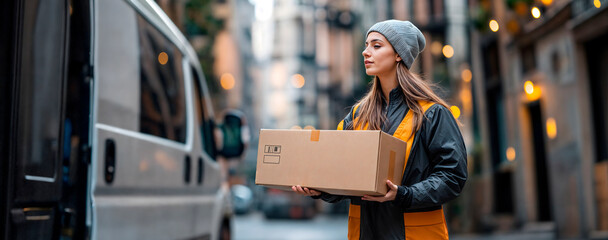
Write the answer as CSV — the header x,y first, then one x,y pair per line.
x,y
446,152
345,124
330,198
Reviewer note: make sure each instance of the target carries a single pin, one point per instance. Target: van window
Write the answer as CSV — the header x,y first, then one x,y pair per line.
x,y
163,111
204,120
41,86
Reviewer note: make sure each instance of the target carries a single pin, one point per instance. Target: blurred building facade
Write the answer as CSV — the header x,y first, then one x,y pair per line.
x,y
304,53
540,83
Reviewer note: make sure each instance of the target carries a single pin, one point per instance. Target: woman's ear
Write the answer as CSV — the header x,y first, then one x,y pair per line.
x,y
398,59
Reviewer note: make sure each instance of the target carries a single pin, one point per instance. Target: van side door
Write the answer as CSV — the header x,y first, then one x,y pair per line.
x,y
32,114
146,155
210,174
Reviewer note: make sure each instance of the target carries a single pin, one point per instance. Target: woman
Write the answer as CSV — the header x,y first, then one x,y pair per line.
x,y
401,104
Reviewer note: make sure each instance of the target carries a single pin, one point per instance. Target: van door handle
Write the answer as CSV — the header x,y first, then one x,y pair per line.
x,y
187,165
201,171
110,161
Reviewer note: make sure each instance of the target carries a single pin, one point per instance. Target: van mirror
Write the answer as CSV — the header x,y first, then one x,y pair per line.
x,y
235,135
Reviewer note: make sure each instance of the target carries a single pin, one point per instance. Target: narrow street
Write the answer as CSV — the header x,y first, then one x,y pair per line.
x,y
323,227
333,227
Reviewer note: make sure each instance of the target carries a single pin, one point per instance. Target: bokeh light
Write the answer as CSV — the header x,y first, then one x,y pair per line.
x,y
163,58
521,8
494,25
227,81
436,48
455,111
535,12
298,80
466,75
551,128
511,154
513,26
532,92
448,51
529,87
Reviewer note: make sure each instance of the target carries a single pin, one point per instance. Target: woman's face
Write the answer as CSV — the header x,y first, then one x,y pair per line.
x,y
379,56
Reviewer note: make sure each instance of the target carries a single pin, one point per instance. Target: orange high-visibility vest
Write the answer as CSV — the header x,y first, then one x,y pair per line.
x,y
418,225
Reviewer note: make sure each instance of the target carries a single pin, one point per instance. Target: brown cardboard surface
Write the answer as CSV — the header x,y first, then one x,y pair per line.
x,y
339,162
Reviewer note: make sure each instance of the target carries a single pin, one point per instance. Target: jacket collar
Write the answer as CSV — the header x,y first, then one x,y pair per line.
x,y
395,97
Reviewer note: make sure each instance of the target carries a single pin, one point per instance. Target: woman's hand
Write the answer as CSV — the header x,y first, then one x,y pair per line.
x,y
390,195
305,191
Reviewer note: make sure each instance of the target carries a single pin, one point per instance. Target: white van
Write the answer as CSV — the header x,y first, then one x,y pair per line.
x,y
106,126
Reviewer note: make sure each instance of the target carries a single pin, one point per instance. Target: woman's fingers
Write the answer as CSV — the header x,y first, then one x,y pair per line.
x,y
305,191
391,185
389,196
301,190
375,199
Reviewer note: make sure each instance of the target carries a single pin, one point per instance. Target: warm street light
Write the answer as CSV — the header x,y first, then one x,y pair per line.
x,y
532,92
436,48
510,154
529,87
298,80
535,12
466,75
455,111
448,51
547,2
551,128
163,58
466,98
227,81
597,3
494,25
513,26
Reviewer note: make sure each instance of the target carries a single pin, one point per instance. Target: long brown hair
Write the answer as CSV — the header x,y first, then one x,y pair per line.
x,y
414,89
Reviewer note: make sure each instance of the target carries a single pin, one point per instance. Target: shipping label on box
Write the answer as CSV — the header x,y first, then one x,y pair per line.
x,y
339,162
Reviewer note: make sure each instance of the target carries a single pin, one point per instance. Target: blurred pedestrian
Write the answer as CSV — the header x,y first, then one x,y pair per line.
x,y
400,103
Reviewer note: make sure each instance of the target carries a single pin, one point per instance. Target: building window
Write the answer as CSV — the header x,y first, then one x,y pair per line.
x,y
41,82
163,111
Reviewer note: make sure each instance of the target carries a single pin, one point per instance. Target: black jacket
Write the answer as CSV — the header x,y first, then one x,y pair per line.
x,y
435,173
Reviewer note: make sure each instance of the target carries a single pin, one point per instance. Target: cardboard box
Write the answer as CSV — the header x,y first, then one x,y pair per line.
x,y
351,163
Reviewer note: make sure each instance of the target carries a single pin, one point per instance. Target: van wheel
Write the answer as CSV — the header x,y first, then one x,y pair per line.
x,y
225,233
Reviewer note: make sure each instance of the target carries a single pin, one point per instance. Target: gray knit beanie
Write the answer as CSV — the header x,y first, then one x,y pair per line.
x,y
406,38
